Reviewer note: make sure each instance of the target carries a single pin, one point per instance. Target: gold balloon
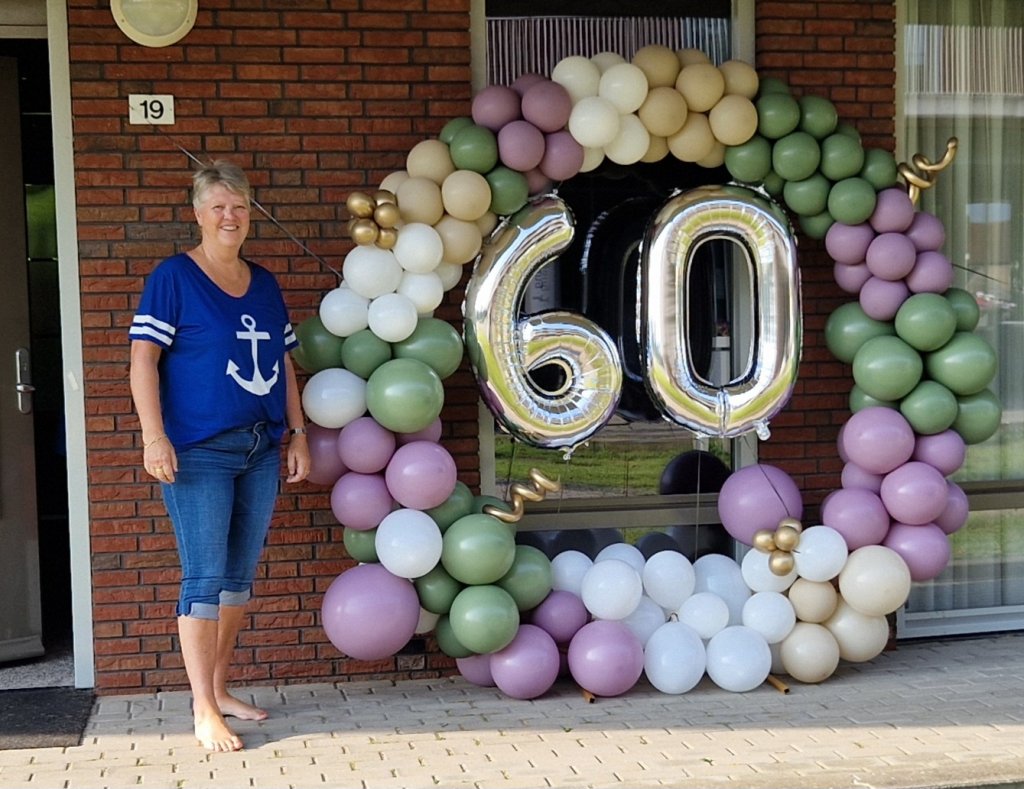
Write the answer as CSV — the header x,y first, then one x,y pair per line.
x,y
781,563
764,540
786,538
382,196
792,523
387,237
387,215
360,204
364,231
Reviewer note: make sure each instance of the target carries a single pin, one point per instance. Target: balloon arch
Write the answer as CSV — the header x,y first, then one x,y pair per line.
x,y
433,559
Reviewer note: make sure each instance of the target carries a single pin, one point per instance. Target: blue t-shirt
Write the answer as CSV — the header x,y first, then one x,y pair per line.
x,y
223,360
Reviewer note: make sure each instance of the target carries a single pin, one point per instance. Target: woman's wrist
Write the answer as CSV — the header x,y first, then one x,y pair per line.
x,y
296,431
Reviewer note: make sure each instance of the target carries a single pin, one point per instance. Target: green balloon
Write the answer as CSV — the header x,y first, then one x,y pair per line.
x,y
851,201
841,157
809,196
437,589
434,342
818,116
361,545
318,349
404,395
484,618
966,364
926,321
529,578
447,641
978,416
773,184
930,408
477,549
509,190
796,156
968,313
772,85
848,129
849,327
474,148
879,169
778,114
887,368
364,352
751,161
453,127
859,400
457,505
817,226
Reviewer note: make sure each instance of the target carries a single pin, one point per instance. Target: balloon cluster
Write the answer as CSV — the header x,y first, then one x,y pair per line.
x,y
374,219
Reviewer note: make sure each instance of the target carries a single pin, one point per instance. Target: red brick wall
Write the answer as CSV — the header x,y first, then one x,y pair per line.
x,y
316,100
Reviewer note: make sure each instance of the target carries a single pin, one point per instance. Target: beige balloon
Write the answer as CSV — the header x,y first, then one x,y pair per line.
x,y
592,158
860,637
740,78
813,601
657,150
875,580
393,180
605,60
461,239
702,85
429,159
466,195
419,200
714,159
733,120
631,143
690,56
659,64
487,223
663,111
694,141
809,653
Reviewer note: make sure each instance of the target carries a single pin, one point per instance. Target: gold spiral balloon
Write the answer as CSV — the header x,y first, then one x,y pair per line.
x,y
523,492
921,173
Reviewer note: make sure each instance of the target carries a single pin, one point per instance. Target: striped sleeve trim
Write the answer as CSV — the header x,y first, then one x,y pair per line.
x,y
290,340
149,328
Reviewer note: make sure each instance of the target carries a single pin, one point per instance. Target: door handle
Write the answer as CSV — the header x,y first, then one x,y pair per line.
x,y
22,385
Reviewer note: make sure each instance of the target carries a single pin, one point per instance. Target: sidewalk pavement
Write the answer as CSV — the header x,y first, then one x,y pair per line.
x,y
927,714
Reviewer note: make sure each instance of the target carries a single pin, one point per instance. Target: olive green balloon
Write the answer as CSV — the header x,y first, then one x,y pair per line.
x,y
364,352
968,313
796,156
772,85
851,200
887,368
930,408
978,416
474,148
477,549
404,395
841,157
453,127
361,545
859,400
844,127
484,618
447,641
849,327
879,169
437,589
926,321
509,190
773,184
817,226
778,114
529,578
809,196
457,505
818,116
318,349
749,162
966,364
435,343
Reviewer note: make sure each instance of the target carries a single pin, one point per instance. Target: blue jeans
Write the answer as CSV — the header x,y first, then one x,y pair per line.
x,y
221,503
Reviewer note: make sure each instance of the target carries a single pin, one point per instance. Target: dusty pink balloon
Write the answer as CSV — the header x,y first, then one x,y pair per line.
x,y
914,493
495,106
932,273
894,211
851,278
858,514
520,145
848,244
563,156
853,476
547,105
954,516
927,232
891,256
924,548
946,451
877,439
881,299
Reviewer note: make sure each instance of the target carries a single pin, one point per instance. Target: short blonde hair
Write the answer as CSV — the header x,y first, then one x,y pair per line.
x,y
222,173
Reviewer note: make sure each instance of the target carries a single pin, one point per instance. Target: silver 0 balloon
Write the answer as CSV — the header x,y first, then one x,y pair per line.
x,y
507,349
768,247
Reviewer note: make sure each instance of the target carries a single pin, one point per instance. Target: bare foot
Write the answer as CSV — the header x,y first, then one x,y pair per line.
x,y
214,735
236,708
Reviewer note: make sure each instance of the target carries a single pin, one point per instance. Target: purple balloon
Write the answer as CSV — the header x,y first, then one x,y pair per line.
x,y
365,445
563,156
536,182
361,501
914,493
851,278
927,232
520,145
848,244
527,667
858,514
894,211
878,439
431,432
946,451
891,256
853,476
881,299
757,497
547,105
476,669
495,106
325,465
368,613
924,548
932,273
606,657
524,82
421,475
561,614
954,516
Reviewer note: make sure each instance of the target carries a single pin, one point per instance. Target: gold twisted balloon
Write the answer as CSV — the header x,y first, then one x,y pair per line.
x,y
374,218
922,172
523,492
780,544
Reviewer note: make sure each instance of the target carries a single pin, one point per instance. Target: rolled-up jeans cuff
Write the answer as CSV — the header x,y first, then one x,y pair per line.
x,y
235,598
203,611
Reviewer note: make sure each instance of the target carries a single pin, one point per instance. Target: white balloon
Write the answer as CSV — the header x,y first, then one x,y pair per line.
x,y
450,274
668,579
770,614
739,659
647,617
408,543
594,122
705,612
631,143
427,621
611,589
334,397
759,577
625,86
343,311
605,60
578,75
392,317
592,158
371,271
425,291
419,248
624,552
722,576
674,658
568,569
821,553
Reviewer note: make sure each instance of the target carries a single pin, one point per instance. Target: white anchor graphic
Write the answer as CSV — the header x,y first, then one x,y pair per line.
x,y
258,385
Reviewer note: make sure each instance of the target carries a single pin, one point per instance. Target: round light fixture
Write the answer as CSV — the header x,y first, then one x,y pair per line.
x,y
154,23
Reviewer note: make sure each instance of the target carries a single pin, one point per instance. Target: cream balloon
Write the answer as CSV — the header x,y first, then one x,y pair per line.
x,y
625,86
487,222
740,78
419,200
594,122
715,158
690,55
694,140
733,120
702,85
371,272
631,143
659,64
578,75
461,239
657,149
450,274
663,111
419,248
429,159
813,601
860,637
592,158
466,195
425,291
605,60
392,317
875,580
392,181
343,311
809,653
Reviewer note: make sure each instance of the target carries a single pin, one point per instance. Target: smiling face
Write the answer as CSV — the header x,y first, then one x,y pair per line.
x,y
223,217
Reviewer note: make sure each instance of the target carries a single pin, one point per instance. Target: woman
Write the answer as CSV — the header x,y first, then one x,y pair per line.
x,y
215,390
